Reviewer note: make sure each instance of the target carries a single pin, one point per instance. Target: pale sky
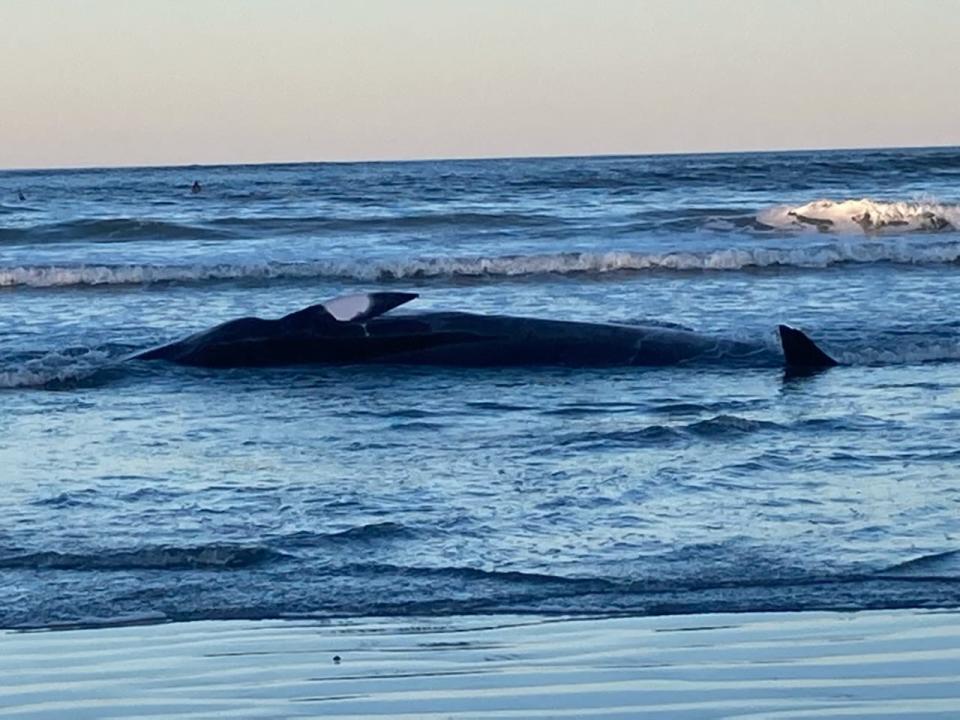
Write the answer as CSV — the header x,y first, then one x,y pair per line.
x,y
134,82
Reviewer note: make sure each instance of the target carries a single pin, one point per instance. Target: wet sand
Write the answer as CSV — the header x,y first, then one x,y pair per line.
x,y
878,664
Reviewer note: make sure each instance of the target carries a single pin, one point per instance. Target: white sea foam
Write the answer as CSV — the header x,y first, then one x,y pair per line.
x,y
54,367
902,353
839,251
864,216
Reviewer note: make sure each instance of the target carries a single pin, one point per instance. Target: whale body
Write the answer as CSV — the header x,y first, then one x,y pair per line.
x,y
356,329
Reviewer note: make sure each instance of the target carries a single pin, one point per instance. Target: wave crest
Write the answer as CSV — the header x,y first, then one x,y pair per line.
x,y
157,558
864,215
126,229
944,564
115,229
572,263
370,533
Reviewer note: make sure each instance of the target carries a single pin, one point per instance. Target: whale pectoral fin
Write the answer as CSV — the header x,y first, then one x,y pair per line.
x,y
364,306
800,352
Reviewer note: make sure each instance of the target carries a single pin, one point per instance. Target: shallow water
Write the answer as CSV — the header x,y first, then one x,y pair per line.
x,y
876,665
145,488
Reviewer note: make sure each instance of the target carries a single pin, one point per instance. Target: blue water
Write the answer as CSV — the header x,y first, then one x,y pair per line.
x,y
146,490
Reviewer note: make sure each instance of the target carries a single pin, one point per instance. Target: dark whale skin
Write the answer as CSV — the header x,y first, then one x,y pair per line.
x,y
312,336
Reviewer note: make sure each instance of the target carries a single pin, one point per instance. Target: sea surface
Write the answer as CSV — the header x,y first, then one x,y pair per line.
x,y
133,490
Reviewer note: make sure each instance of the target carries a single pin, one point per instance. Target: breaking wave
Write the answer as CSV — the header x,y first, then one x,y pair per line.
x,y
55,368
570,263
864,216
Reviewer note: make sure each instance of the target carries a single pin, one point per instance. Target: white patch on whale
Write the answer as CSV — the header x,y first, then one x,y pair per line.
x,y
364,306
348,307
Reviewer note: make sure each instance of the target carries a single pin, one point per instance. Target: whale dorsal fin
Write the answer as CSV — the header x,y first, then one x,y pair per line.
x,y
801,352
364,306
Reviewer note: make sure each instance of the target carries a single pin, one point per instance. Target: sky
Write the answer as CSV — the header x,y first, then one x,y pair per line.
x,y
169,82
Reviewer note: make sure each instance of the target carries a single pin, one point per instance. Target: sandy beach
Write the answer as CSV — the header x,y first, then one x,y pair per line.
x,y
890,664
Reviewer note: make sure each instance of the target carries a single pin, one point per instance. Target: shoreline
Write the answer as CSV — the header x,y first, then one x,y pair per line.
x,y
875,663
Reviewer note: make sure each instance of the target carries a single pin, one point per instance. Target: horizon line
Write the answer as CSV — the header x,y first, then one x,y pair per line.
x,y
467,158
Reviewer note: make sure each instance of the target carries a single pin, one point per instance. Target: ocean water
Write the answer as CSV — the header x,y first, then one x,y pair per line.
x,y
147,491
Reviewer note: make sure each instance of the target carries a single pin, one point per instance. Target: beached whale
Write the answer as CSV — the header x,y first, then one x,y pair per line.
x,y
357,329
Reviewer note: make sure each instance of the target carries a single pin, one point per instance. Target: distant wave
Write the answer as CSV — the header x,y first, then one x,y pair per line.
x,y
124,229
387,223
864,216
834,216
496,267
158,558
105,230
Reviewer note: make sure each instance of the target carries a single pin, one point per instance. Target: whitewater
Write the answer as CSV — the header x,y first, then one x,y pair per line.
x,y
140,490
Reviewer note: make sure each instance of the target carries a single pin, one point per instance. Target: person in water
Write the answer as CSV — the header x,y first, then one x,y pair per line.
x,y
196,187
21,196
